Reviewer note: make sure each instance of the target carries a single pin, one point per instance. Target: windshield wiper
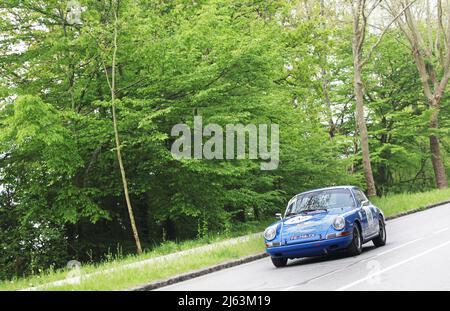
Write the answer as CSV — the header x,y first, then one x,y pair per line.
x,y
314,209
305,211
291,214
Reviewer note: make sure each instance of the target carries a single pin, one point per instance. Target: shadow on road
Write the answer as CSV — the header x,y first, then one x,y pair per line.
x,y
325,258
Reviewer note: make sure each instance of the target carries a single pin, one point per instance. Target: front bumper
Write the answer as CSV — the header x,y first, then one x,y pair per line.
x,y
310,249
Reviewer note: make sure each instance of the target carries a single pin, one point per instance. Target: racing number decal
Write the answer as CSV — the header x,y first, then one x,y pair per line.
x,y
369,216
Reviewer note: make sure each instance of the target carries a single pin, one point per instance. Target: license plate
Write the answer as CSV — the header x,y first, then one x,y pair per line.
x,y
303,236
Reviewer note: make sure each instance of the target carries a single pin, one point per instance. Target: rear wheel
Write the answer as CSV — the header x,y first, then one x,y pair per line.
x,y
279,262
356,247
380,240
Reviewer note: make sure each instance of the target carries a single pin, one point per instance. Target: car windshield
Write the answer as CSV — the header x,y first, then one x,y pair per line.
x,y
320,200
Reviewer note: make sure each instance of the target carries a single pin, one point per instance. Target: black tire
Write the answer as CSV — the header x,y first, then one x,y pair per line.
x,y
356,247
380,240
279,261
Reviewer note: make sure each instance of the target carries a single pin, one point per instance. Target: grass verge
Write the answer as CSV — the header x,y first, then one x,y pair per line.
x,y
396,204
130,277
114,262
126,278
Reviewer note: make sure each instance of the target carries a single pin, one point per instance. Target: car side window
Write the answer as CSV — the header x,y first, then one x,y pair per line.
x,y
359,195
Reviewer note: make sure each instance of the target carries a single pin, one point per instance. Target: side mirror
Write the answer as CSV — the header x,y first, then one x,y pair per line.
x,y
365,203
279,216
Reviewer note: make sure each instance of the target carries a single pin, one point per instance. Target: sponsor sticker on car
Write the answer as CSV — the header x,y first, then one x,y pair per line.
x,y
303,236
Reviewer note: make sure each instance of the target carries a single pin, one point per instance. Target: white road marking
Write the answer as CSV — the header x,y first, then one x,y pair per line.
x,y
369,258
393,266
397,247
440,231
364,260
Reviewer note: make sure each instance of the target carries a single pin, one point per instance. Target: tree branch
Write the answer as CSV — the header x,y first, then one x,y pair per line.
x,y
369,55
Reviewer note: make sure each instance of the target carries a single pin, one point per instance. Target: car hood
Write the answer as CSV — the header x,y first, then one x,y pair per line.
x,y
308,227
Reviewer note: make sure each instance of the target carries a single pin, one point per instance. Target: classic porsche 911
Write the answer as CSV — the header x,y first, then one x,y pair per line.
x,y
323,221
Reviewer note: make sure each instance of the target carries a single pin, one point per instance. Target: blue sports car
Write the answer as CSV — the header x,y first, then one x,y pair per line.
x,y
322,221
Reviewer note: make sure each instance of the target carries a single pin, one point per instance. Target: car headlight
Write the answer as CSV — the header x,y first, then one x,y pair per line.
x,y
339,223
270,233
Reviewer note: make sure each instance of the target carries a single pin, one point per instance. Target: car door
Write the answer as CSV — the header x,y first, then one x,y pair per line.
x,y
368,216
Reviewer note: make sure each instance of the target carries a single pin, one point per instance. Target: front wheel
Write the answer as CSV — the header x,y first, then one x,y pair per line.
x,y
356,247
279,262
380,240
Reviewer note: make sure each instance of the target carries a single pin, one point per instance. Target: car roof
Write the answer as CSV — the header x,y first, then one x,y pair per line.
x,y
328,188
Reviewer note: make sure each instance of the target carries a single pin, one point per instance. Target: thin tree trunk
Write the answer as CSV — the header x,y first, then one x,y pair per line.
x,y
362,126
436,159
117,140
331,124
360,16
359,32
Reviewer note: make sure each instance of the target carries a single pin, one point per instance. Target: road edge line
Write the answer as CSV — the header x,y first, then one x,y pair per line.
x,y
416,210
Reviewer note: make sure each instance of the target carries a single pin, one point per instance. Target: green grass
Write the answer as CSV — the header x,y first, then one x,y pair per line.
x,y
126,278
116,261
121,279
400,203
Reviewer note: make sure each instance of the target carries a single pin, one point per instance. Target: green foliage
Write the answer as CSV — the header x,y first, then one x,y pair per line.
x,y
399,121
227,61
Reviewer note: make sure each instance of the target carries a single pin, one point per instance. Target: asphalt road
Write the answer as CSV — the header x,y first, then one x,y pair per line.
x,y
416,257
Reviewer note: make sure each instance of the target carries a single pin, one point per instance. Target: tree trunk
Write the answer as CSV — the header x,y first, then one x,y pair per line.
x,y
436,159
359,33
117,140
433,88
332,126
364,138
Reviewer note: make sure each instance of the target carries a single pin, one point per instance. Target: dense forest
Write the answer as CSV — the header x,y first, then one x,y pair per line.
x,y
90,90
